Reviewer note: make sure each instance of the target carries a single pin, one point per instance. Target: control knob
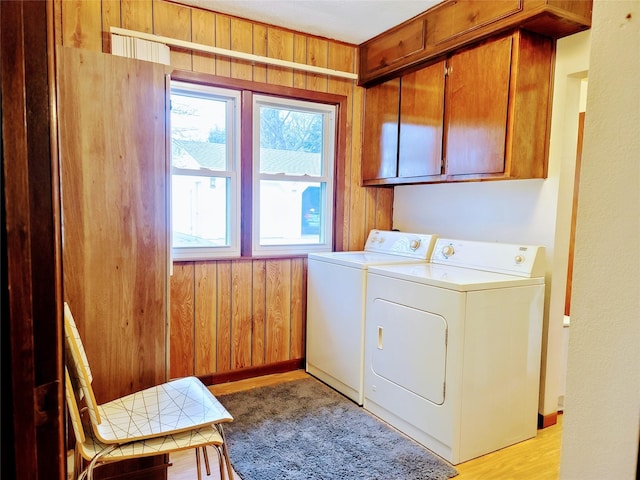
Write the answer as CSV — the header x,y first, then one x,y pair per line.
x,y
414,244
448,250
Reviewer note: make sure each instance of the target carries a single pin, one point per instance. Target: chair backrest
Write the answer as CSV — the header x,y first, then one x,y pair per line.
x,y
71,395
78,365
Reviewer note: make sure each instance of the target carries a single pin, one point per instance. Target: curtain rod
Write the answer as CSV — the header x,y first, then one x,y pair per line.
x,y
234,54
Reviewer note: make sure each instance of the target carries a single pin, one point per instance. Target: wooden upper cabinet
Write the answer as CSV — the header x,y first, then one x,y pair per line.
x,y
557,18
530,95
498,105
394,47
477,105
453,19
403,128
455,24
488,120
380,139
421,115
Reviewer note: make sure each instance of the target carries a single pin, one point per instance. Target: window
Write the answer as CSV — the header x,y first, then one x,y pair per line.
x,y
287,181
293,151
205,192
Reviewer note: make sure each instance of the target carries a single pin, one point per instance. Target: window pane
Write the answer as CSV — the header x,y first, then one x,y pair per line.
x,y
290,212
291,142
199,215
198,132
205,192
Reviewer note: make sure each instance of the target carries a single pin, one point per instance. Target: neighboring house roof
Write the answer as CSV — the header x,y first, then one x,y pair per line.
x,y
194,155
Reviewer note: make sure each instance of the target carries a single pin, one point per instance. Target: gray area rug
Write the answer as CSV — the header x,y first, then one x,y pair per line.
x,y
305,430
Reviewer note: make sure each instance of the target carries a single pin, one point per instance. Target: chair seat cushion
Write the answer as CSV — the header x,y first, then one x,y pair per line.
x,y
172,407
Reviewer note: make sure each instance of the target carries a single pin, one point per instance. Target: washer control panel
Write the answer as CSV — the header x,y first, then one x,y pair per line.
x,y
415,245
511,259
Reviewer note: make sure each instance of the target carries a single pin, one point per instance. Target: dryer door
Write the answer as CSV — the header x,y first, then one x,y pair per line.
x,y
411,348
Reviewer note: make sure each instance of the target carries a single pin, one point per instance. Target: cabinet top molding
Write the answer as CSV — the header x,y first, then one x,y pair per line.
x,y
454,24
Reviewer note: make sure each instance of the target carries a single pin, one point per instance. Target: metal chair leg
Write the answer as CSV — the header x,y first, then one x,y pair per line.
x,y
77,463
225,450
198,463
206,460
221,465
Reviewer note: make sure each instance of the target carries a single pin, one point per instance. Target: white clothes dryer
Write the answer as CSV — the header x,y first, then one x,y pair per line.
x,y
336,286
452,347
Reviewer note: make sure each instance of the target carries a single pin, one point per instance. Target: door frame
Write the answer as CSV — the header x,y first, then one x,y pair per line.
x,y
33,415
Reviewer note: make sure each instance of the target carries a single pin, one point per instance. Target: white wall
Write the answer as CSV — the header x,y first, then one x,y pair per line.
x,y
536,212
601,423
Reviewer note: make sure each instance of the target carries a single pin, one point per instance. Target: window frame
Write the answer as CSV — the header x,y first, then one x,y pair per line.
x,y
326,177
247,90
232,174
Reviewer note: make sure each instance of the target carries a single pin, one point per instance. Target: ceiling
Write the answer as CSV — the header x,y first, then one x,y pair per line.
x,y
350,21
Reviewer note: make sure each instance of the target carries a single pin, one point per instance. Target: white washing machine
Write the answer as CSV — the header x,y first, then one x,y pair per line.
x,y
336,287
452,347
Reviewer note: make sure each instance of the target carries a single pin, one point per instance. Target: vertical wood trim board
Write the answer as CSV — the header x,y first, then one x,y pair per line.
x,y
113,183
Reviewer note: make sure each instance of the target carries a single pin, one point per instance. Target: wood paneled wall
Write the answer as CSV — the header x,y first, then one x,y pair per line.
x,y
228,315
236,314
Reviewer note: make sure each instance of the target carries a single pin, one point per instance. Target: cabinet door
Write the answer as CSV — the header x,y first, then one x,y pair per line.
x,y
421,117
380,139
454,19
477,95
111,114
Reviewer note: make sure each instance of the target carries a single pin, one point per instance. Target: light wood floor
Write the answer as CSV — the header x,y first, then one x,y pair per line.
x,y
538,458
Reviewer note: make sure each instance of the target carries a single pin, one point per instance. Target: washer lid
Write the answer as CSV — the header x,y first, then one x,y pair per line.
x,y
362,259
453,278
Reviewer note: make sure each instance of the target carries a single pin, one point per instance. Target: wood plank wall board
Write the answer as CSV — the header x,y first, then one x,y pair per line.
x,y
223,321
259,312
170,20
280,45
203,31
137,15
317,54
241,41
260,48
241,328
209,330
181,323
342,57
298,307
206,327
383,204
82,24
111,15
355,204
223,40
300,56
278,318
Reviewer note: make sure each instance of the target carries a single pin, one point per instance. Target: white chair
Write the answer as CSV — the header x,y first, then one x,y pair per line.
x,y
173,416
